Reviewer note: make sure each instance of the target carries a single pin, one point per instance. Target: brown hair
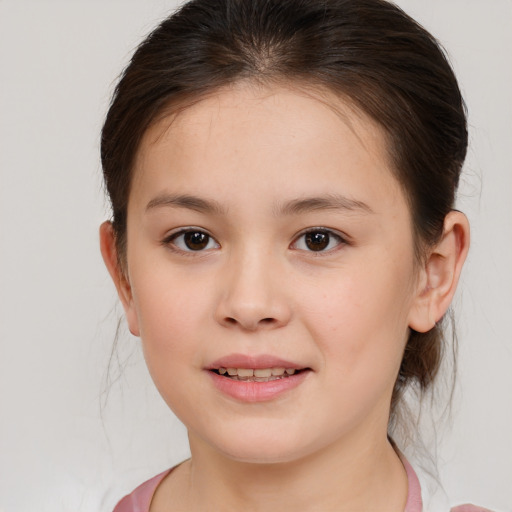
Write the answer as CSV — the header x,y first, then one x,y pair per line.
x,y
367,51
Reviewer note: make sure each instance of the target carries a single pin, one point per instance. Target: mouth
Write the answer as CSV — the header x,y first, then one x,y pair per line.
x,y
257,374
257,378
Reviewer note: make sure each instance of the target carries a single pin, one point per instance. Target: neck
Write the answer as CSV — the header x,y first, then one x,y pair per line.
x,y
352,476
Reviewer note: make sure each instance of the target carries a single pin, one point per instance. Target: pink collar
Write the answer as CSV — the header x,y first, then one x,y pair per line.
x,y
140,499
414,501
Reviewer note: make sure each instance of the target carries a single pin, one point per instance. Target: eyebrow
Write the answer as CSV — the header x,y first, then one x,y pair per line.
x,y
294,207
328,202
187,201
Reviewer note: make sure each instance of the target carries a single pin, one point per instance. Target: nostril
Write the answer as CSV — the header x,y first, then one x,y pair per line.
x,y
267,321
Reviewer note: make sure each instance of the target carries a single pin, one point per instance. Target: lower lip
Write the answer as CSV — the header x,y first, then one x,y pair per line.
x,y
257,391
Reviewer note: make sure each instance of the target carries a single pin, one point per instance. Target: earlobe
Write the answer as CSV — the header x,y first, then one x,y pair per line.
x,y
440,274
110,257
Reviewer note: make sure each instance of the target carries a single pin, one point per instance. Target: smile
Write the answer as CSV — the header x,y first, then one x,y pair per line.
x,y
256,374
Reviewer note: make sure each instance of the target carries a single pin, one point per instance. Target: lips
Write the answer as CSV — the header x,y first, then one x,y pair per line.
x,y
256,362
256,378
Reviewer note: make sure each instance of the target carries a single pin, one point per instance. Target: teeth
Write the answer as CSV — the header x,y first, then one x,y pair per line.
x,y
258,373
263,372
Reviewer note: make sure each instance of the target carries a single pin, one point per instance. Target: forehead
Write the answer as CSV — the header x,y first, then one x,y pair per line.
x,y
243,103
286,136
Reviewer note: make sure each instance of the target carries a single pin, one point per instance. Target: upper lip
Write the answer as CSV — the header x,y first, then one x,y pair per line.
x,y
253,361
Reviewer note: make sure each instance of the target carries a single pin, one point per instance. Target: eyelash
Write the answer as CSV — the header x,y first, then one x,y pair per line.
x,y
340,240
170,240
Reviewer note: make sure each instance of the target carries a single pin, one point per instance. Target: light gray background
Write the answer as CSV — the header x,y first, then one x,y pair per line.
x,y
58,451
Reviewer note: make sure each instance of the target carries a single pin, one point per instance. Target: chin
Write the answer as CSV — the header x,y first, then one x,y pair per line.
x,y
249,456
265,446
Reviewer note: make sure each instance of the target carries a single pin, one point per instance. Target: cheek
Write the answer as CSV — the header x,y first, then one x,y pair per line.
x,y
360,318
170,317
361,332
171,312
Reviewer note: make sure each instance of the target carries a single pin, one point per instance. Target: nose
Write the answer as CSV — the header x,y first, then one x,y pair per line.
x,y
252,294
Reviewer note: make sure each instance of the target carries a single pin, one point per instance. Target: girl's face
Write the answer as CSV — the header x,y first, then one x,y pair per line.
x,y
267,233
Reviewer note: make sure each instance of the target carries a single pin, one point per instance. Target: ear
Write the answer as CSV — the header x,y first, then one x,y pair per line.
x,y
440,274
110,257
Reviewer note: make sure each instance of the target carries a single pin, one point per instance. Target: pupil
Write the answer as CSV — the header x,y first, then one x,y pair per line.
x,y
317,241
195,240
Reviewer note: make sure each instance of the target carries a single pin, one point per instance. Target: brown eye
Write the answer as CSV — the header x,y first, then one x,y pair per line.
x,y
195,240
192,240
318,240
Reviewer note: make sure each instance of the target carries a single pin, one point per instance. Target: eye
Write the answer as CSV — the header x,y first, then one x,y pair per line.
x,y
191,240
317,240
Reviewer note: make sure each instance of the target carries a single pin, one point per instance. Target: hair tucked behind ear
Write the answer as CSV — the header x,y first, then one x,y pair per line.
x,y
367,51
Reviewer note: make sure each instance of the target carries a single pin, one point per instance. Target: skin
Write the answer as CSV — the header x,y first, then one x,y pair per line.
x,y
257,288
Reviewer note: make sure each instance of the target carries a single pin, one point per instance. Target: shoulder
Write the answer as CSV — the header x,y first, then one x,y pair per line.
x,y
469,508
429,498
140,499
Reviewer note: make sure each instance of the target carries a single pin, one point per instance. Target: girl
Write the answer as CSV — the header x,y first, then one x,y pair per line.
x,y
282,176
